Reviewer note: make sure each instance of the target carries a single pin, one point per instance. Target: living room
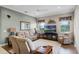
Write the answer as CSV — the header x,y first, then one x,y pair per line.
x,y
53,26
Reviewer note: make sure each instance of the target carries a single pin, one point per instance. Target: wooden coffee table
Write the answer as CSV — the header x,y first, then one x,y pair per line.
x,y
43,50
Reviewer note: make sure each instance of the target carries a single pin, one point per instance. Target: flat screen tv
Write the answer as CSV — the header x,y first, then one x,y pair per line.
x,y
50,28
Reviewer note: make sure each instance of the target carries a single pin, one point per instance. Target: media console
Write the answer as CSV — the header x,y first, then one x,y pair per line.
x,y
49,36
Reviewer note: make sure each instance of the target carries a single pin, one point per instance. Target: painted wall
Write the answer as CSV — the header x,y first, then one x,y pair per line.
x,y
76,27
14,21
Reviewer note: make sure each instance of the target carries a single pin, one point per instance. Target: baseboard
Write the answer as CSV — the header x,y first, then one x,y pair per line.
x,y
4,44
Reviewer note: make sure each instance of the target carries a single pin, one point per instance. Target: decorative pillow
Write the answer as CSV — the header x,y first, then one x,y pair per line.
x,y
21,34
26,34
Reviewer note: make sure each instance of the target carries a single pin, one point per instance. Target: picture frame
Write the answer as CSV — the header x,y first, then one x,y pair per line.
x,y
24,25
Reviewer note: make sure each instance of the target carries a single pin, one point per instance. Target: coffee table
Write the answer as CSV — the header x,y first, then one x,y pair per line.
x,y
43,50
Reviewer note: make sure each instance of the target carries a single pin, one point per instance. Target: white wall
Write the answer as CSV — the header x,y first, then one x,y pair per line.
x,y
76,27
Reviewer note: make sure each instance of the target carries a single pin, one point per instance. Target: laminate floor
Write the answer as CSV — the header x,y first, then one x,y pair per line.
x,y
64,49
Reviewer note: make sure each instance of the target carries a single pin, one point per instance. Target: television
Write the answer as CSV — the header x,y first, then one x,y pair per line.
x,y
50,28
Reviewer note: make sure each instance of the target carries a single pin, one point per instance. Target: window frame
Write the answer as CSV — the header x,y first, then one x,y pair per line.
x,y
25,23
67,18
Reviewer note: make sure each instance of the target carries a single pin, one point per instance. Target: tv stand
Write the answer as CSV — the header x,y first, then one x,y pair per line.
x,y
49,36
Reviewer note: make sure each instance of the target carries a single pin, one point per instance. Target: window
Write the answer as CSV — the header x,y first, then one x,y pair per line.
x,y
65,24
41,25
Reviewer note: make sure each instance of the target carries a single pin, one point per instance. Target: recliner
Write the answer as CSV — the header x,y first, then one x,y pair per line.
x,y
19,45
15,48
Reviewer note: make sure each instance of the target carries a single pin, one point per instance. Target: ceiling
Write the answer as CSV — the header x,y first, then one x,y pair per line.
x,y
41,10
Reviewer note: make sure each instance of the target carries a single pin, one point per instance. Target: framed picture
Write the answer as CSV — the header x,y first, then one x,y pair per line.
x,y
24,25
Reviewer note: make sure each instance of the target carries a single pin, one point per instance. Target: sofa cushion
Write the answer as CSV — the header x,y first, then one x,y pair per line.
x,y
21,34
24,34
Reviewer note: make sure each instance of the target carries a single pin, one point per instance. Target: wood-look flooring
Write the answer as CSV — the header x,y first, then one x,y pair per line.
x,y
65,49
7,48
68,49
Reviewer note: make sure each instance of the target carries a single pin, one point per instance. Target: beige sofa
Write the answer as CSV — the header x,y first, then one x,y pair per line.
x,y
40,42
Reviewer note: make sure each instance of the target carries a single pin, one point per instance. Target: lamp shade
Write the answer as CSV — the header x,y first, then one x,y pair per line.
x,y
12,29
